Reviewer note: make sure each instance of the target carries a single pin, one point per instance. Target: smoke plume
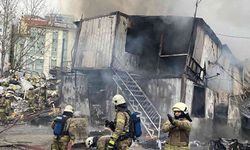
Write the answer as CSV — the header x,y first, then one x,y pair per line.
x,y
224,16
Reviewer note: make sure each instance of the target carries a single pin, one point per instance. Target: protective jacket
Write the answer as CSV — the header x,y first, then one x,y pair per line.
x,y
119,136
178,134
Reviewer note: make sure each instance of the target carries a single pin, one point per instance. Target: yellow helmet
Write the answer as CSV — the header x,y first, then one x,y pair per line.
x,y
180,107
118,100
69,108
89,141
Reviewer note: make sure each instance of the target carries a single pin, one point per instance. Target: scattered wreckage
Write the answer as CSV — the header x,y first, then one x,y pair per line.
x,y
25,94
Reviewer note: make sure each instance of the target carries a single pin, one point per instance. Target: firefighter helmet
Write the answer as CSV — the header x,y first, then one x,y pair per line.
x,y
118,100
69,108
180,107
89,141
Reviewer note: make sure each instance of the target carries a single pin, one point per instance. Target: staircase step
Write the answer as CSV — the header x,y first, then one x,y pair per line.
x,y
140,96
138,101
130,82
133,87
136,92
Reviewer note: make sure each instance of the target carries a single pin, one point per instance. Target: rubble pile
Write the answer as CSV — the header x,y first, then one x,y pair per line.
x,y
26,92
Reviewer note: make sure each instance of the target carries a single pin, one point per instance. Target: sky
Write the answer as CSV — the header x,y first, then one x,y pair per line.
x,y
228,17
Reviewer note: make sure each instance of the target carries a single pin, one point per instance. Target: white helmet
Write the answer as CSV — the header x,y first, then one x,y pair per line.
x,y
180,107
69,108
118,100
89,141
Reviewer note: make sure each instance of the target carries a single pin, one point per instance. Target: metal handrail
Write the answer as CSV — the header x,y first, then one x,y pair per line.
x,y
135,98
157,128
120,65
138,86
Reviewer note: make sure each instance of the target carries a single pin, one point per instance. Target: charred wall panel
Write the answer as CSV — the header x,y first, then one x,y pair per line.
x,y
221,109
199,43
246,73
211,98
74,91
234,113
189,94
101,89
122,59
163,93
96,43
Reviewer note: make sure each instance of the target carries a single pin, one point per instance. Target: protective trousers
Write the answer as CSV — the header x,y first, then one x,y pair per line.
x,y
60,143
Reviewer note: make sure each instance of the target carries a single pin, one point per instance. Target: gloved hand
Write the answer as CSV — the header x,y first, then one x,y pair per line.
x,y
106,123
171,120
110,124
111,145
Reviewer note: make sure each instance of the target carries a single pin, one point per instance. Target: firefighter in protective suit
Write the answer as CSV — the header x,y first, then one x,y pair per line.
x,y
178,128
120,138
61,142
3,109
99,143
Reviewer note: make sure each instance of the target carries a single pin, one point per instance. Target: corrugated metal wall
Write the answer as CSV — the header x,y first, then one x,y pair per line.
x,y
121,58
164,93
199,43
189,94
96,43
237,81
234,113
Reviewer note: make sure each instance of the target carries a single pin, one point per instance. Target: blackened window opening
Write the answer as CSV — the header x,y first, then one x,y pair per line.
x,y
198,103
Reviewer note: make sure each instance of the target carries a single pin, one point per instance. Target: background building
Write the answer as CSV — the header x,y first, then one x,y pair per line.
x,y
46,41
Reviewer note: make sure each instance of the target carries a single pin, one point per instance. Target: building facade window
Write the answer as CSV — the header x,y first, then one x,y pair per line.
x,y
39,65
54,49
65,46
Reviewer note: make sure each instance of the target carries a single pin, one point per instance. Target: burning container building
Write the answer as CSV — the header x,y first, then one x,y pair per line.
x,y
154,61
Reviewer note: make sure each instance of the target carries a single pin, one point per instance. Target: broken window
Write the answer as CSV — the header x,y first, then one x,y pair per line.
x,y
198,103
139,37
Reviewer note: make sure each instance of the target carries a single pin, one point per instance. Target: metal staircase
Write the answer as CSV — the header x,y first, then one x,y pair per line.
x,y
139,102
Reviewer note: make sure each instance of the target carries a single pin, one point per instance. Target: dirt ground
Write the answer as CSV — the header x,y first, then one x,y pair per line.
x,y
39,136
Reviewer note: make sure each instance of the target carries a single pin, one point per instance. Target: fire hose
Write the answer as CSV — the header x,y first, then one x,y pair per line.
x,y
23,147
24,118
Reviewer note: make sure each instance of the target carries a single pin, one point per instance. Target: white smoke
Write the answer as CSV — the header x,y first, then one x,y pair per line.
x,y
223,16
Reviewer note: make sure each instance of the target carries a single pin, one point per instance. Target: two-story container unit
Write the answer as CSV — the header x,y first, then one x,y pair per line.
x,y
154,61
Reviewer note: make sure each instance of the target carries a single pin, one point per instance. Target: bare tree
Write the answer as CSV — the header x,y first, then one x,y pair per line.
x,y
29,48
34,7
26,39
8,13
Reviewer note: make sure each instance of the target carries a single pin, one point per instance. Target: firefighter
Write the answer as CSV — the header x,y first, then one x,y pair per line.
x,y
178,128
78,127
42,97
120,138
97,142
62,139
3,110
30,97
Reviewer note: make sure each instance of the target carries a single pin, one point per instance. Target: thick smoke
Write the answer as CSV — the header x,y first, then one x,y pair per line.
x,y
91,8
224,16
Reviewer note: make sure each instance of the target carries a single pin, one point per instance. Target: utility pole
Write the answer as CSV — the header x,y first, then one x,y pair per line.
x,y
184,77
61,70
196,7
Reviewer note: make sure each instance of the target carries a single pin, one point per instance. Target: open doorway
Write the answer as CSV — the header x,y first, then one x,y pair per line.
x,y
198,103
